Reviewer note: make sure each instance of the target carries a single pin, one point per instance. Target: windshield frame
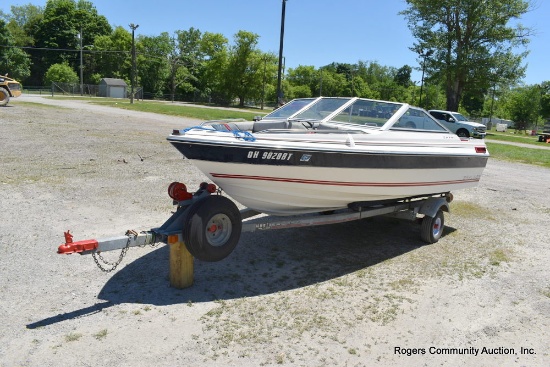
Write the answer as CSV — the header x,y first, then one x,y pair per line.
x,y
352,113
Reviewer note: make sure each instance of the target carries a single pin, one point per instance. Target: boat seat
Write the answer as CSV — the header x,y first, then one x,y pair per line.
x,y
264,125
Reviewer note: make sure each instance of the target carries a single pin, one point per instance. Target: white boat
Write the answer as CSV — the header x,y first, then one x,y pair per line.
x,y
322,154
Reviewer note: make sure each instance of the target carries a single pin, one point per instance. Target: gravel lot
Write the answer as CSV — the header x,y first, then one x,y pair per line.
x,y
365,293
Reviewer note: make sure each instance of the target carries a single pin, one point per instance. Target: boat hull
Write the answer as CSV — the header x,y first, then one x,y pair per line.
x,y
284,180
296,190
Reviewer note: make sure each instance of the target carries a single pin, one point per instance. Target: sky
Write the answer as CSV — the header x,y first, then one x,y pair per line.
x,y
317,32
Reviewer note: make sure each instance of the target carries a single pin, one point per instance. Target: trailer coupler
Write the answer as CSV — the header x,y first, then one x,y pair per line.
x,y
70,247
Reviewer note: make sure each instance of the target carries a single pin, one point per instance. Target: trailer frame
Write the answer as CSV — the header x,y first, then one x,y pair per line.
x,y
175,231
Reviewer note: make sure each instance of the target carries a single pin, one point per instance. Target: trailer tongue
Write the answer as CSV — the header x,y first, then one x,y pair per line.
x,y
207,226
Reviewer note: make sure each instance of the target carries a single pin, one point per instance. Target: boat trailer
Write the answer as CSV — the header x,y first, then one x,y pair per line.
x,y
208,226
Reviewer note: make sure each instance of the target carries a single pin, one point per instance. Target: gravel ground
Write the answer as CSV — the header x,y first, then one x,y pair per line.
x,y
366,293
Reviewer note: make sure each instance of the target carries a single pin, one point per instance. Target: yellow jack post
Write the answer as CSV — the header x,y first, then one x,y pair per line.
x,y
181,266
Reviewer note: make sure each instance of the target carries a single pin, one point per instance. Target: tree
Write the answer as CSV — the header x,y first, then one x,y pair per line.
x,y
153,65
186,60
22,21
545,100
60,73
473,102
12,59
303,76
59,30
243,69
403,76
214,47
331,84
111,55
522,105
471,40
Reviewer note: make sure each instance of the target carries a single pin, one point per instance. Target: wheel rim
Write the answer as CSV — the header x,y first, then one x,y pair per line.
x,y
436,227
218,230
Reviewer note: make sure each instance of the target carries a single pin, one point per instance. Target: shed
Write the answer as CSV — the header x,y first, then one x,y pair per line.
x,y
111,87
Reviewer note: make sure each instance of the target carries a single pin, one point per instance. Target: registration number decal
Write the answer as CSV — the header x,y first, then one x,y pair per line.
x,y
276,156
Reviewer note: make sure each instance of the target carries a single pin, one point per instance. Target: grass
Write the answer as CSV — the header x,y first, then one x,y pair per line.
x,y
101,334
518,137
539,157
498,256
471,209
173,109
182,110
72,337
201,112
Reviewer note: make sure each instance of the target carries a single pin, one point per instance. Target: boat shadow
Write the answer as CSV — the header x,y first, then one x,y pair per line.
x,y
263,263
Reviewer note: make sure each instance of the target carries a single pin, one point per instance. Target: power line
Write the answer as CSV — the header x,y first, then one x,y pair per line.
x,y
64,49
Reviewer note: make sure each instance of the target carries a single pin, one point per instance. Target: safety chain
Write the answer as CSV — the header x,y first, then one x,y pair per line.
x,y
114,265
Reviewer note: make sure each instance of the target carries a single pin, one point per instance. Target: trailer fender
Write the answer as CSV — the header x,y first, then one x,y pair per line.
x,y
433,205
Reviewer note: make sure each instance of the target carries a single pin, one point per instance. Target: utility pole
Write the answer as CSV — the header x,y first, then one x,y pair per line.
x,y
133,77
81,65
279,73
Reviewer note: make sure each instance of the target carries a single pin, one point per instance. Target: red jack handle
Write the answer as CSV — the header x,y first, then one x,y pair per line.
x,y
70,247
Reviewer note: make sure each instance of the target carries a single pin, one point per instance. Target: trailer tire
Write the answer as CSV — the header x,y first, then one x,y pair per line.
x,y
212,228
432,227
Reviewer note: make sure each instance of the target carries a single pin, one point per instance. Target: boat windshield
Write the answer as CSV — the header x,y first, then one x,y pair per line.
x,y
289,109
322,108
416,119
367,112
356,114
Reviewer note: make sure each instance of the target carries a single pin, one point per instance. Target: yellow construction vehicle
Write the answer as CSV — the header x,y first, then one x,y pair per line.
x,y
8,88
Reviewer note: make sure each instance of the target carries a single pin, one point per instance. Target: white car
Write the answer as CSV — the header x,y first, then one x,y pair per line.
x,y
459,124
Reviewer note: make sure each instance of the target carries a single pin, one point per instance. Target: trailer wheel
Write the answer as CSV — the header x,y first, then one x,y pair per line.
x,y
212,228
432,227
4,96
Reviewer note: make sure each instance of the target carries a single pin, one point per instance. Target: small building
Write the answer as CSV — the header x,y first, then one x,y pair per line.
x,y
113,88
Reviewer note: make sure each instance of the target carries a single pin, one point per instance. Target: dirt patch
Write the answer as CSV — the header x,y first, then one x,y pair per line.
x,y
360,293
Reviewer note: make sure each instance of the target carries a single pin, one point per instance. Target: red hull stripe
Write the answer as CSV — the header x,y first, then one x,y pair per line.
x,y
342,183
